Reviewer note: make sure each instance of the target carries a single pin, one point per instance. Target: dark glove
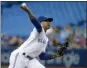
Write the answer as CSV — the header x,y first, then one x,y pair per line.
x,y
63,48
61,51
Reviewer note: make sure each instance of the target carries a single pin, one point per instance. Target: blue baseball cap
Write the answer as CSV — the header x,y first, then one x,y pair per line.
x,y
43,18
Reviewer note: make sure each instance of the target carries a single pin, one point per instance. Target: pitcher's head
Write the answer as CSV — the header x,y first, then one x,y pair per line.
x,y
45,22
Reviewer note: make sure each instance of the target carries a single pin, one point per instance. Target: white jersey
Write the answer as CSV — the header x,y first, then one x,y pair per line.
x,y
49,32
34,34
33,47
35,44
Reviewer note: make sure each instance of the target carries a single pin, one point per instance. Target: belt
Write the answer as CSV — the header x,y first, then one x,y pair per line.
x,y
27,56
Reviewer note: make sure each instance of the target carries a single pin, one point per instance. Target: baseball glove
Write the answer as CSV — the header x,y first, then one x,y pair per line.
x,y
61,51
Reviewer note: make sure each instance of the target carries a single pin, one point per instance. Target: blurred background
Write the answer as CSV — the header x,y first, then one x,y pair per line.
x,y
70,19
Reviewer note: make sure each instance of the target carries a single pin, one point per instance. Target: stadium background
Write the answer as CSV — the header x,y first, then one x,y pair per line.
x,y
16,27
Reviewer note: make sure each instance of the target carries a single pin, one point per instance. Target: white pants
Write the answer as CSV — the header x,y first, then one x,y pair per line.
x,y
20,61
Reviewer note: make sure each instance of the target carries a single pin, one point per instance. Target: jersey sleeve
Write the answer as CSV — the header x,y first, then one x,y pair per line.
x,y
45,56
37,24
49,32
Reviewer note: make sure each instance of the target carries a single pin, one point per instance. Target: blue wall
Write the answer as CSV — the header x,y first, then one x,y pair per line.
x,y
72,58
15,21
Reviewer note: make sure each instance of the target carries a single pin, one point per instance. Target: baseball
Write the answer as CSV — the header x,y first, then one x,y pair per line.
x,y
23,4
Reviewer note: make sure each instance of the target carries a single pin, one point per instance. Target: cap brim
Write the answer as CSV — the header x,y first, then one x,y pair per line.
x,y
49,19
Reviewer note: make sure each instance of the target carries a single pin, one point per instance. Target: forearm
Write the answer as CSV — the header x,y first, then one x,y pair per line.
x,y
46,56
34,21
31,16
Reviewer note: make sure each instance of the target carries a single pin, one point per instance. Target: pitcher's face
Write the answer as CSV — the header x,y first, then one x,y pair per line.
x,y
46,24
